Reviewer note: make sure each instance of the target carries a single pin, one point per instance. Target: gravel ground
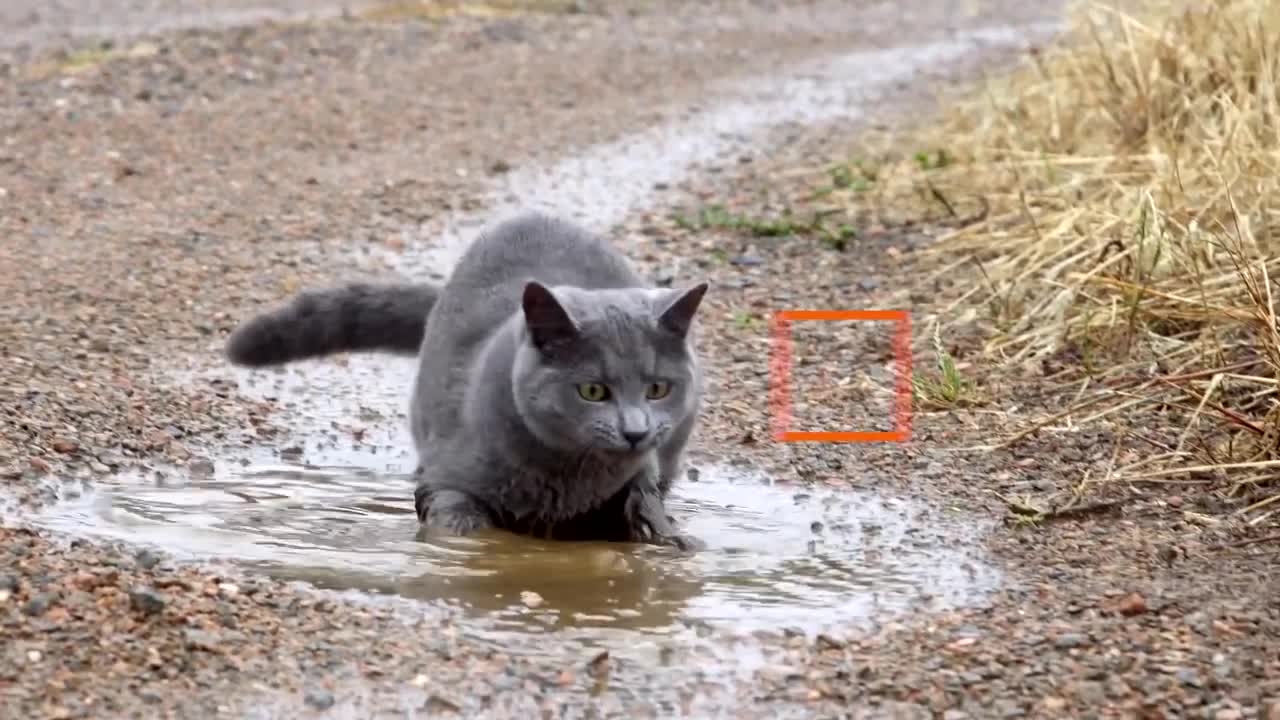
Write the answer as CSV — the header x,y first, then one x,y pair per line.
x,y
1154,608
155,194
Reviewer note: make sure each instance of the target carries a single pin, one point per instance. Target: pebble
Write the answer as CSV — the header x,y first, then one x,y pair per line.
x,y
200,639
146,601
1132,604
531,599
40,603
228,590
1190,678
146,559
319,699
746,260
1070,640
201,466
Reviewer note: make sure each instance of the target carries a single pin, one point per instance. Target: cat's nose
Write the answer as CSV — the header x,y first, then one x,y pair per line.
x,y
635,438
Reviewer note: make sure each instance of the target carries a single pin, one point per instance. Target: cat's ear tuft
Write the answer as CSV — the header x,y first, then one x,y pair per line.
x,y
677,315
545,317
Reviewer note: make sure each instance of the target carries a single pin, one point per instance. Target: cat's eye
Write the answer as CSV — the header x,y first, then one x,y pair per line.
x,y
658,390
593,392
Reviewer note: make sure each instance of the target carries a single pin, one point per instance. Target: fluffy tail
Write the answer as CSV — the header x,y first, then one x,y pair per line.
x,y
351,318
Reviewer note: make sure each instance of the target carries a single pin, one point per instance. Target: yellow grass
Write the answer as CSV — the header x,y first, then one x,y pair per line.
x,y
1131,234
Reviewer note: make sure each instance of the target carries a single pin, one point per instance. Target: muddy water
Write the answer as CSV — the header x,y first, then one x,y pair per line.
x,y
802,559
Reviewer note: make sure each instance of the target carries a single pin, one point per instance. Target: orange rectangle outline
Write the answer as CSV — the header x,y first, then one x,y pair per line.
x,y
780,375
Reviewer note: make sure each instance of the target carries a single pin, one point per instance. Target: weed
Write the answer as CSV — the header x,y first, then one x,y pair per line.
x,y
932,160
782,225
949,389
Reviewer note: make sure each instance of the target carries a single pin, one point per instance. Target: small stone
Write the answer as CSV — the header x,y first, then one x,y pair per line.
x,y
746,260
1070,640
200,640
228,590
40,465
34,656
1053,704
146,559
1092,693
1190,678
531,599
319,699
1272,711
1228,714
1132,604
8,583
64,446
40,603
203,466
146,601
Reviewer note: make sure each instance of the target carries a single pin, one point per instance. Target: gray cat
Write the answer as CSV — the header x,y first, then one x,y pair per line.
x,y
556,391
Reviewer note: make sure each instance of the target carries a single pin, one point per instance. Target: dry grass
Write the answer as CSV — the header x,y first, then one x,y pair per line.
x,y
1128,233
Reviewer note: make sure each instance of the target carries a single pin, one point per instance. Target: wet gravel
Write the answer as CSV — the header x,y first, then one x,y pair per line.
x,y
1145,611
149,202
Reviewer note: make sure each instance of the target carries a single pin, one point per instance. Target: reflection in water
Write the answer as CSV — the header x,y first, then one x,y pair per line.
x,y
776,557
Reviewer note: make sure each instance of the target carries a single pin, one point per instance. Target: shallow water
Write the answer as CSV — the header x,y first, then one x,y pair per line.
x,y
808,560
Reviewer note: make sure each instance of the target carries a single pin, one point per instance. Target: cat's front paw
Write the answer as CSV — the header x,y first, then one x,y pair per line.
x,y
648,522
450,512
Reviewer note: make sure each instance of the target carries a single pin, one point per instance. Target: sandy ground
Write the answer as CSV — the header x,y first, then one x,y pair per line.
x,y
153,194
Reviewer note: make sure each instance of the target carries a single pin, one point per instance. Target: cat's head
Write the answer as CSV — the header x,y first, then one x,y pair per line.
x,y
606,371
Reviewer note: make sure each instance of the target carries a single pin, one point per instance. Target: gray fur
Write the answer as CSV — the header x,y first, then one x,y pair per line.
x,y
352,318
535,307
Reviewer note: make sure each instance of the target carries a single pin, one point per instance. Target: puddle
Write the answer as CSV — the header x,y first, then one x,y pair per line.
x,y
777,557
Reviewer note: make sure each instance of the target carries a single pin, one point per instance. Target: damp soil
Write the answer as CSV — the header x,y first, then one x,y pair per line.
x,y
181,538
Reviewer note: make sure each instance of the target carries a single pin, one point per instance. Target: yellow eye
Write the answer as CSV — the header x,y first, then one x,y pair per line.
x,y
658,390
593,392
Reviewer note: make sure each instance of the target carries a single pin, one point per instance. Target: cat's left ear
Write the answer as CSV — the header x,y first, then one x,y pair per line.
x,y
677,315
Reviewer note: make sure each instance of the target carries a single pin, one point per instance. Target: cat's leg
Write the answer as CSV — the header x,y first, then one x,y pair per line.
x,y
452,512
645,512
671,454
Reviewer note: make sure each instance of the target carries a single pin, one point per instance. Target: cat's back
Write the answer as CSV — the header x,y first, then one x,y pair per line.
x,y
484,291
485,287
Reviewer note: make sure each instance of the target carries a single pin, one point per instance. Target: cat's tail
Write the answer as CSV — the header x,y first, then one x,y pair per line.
x,y
351,318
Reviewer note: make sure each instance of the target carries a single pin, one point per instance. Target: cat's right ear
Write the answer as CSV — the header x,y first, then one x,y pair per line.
x,y
548,322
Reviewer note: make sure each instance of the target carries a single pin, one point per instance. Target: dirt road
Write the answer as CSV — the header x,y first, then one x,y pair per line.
x,y
153,192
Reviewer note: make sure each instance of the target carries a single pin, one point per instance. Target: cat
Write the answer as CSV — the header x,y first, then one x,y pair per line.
x,y
556,390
